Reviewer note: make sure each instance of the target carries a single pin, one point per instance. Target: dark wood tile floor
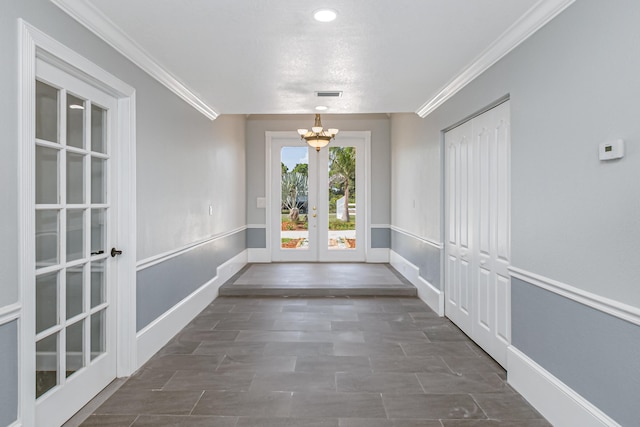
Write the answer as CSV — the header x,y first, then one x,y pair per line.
x,y
321,362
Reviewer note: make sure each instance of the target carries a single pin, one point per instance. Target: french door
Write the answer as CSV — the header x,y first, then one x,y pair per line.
x,y
75,313
477,230
317,200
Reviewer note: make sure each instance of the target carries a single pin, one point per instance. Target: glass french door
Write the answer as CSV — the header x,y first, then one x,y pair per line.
x,y
74,224
317,209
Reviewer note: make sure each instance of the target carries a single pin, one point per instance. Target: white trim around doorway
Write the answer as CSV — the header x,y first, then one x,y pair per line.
x,y
266,255
34,44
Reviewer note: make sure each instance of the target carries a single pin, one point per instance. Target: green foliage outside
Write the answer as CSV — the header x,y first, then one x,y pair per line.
x,y
342,177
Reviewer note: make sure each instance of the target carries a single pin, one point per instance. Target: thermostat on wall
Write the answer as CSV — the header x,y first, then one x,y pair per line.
x,y
612,150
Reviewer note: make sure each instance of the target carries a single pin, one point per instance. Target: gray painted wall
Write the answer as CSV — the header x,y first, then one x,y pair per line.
x,y
256,238
421,254
378,124
572,85
415,176
595,354
8,373
380,237
183,169
163,285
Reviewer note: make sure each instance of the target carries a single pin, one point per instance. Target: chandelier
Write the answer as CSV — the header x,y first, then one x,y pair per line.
x,y
318,137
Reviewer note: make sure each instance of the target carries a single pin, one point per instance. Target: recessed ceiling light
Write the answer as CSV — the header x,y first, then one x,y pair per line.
x,y
321,108
325,15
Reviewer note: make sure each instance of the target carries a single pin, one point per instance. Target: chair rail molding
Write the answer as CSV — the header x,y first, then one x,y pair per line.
x,y
437,245
10,313
162,257
615,308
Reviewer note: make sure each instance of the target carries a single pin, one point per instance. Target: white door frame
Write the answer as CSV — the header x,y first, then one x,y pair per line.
x,y
36,44
270,136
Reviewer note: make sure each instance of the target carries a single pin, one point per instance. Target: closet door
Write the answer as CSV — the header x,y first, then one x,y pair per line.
x,y
458,213
492,296
477,229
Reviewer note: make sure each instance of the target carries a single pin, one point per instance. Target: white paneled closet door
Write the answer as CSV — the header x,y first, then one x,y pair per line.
x,y
478,214
458,275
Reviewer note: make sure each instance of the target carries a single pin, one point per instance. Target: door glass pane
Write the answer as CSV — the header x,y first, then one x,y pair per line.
x,y
74,291
97,283
98,180
98,230
46,237
98,338
294,182
98,129
46,364
75,234
46,175
342,198
46,112
75,121
75,178
46,301
75,347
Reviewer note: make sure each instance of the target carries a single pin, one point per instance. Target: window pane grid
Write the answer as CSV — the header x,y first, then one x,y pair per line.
x,y
75,335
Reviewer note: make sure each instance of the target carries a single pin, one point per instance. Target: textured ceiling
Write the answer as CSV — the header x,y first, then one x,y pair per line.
x,y
269,57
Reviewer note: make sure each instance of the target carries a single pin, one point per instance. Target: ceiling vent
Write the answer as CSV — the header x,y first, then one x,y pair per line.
x,y
329,94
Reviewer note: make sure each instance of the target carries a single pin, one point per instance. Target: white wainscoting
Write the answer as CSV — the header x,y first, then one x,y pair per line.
x,y
556,401
155,335
428,293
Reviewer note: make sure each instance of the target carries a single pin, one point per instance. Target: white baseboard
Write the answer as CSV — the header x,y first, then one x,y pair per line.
x,y
259,255
428,293
155,335
556,401
378,255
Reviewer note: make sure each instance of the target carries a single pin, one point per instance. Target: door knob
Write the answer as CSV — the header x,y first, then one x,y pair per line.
x,y
115,252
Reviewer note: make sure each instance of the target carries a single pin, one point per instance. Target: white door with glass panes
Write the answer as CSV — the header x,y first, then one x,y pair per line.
x,y
317,207
75,313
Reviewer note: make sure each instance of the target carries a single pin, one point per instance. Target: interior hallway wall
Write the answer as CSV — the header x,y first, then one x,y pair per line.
x,y
185,163
575,219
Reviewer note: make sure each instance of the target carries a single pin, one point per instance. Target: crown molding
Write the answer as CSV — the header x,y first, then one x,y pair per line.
x,y
96,22
534,19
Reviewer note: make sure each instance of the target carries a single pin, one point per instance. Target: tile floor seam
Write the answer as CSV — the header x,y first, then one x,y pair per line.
x,y
134,420
168,381
196,404
480,406
415,374
386,413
